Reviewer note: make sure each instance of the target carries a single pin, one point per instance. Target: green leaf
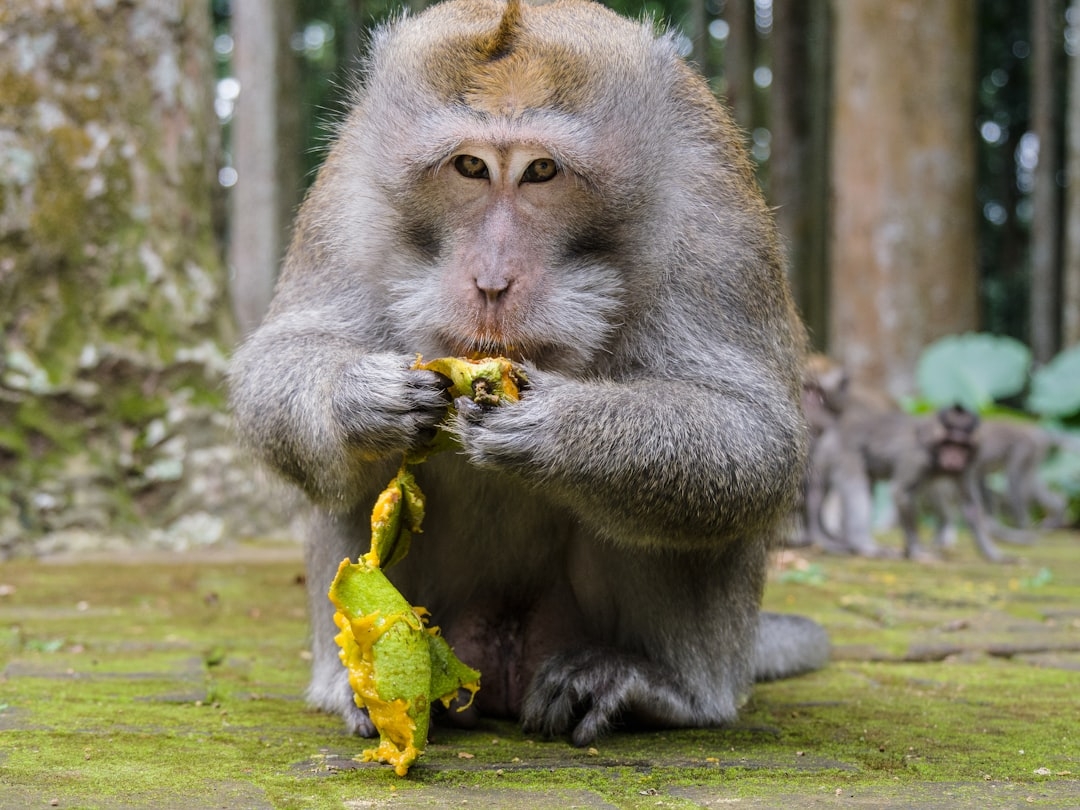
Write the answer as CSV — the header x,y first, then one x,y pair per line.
x,y
1055,388
972,370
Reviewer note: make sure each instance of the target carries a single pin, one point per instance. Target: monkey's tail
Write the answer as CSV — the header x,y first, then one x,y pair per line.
x,y
788,645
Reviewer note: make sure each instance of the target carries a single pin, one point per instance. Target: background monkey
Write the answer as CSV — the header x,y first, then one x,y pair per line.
x,y
913,453
1019,450
554,184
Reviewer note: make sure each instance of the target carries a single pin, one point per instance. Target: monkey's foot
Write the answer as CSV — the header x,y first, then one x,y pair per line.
x,y
921,555
333,695
585,692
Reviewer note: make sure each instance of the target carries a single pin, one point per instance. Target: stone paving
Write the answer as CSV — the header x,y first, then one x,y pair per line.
x,y
175,681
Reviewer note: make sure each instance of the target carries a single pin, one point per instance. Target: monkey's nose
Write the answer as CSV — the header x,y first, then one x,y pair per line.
x,y
492,288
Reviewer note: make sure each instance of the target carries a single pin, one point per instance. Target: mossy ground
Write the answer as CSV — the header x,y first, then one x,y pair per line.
x,y
175,682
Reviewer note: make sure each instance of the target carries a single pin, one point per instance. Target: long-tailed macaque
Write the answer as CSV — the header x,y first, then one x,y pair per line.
x,y
913,453
553,184
828,392
1018,449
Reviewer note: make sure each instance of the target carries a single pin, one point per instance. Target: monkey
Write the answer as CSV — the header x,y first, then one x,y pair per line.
x,y
913,453
827,391
826,387
1019,449
556,185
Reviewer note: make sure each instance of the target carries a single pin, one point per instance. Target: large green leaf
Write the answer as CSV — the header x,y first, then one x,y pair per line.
x,y
972,370
1055,388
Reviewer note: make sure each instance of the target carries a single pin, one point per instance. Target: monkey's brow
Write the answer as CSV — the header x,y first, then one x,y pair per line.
x,y
559,134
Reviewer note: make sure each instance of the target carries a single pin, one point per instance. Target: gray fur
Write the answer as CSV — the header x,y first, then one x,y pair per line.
x,y
598,548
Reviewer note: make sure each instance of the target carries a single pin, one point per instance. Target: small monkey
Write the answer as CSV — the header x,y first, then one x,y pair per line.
x,y
827,393
1019,450
912,453
553,184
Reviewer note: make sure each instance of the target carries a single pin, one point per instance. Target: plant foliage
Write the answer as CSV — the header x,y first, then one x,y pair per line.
x,y
1055,387
973,370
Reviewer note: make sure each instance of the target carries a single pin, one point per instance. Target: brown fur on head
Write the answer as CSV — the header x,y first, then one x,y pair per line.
x,y
498,43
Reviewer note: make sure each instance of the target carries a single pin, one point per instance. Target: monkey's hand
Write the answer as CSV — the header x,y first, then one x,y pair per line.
x,y
384,405
500,438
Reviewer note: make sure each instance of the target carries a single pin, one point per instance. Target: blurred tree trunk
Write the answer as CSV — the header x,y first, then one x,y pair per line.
x,y
350,42
798,166
1071,269
113,305
902,237
266,148
739,56
697,28
1046,78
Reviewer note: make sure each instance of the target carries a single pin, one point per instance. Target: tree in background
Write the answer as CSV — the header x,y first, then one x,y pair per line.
x,y
1046,114
267,148
113,308
1071,250
799,101
902,238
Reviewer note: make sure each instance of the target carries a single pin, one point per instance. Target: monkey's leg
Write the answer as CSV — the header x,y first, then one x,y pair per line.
x,y
671,642
330,539
857,509
1053,504
817,490
832,469
938,499
1019,477
975,514
907,513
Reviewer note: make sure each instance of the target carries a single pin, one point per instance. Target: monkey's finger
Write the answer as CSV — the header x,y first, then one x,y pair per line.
x,y
569,694
427,401
469,410
427,390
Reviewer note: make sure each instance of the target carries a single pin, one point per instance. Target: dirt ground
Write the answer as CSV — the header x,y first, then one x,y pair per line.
x,y
175,681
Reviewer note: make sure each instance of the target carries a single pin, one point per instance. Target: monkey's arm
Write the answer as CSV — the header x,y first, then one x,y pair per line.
x,y
715,464
318,409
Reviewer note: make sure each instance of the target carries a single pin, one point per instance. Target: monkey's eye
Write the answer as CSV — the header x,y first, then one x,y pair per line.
x,y
540,171
471,167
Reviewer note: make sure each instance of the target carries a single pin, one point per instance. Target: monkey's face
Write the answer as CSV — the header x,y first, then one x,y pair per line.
x,y
953,456
514,258
508,184
956,439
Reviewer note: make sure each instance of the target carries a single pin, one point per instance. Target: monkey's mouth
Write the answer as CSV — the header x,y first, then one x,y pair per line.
x,y
478,347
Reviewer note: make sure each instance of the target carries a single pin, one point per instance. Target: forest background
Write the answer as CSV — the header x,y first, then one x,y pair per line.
x,y
923,159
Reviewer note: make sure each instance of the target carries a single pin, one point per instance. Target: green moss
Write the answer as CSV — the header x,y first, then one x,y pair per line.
x,y
16,89
176,682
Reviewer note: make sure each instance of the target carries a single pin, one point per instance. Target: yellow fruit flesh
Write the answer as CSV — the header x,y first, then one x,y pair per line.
x,y
397,665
